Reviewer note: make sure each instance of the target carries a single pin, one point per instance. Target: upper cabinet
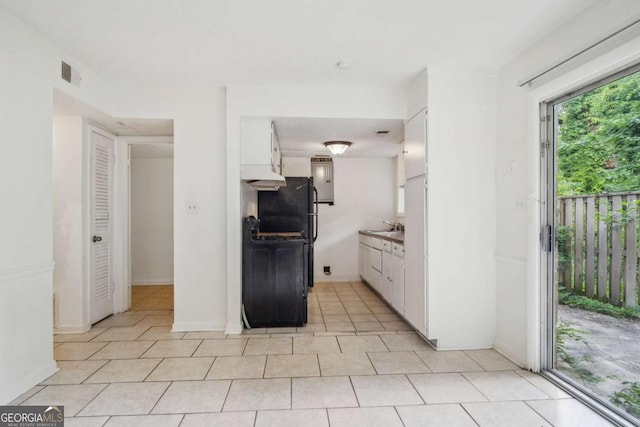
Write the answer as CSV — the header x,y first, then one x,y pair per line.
x,y
400,166
261,157
415,145
276,154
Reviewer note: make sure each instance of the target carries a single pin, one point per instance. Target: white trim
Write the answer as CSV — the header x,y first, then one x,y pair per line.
x,y
199,327
615,60
507,351
149,282
122,219
26,271
233,328
72,329
8,391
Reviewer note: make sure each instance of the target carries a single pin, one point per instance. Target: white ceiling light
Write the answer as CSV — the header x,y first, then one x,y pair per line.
x,y
337,147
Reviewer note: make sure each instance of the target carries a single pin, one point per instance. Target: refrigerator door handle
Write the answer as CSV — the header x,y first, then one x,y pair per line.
x,y
315,214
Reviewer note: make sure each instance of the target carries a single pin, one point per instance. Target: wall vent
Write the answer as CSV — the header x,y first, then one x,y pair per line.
x,y
70,75
66,72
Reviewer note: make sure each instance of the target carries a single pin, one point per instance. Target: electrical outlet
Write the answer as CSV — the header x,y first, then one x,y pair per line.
x,y
191,208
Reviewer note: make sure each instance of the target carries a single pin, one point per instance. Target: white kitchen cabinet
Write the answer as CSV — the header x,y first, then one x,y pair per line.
x,y
363,266
387,284
397,278
259,147
401,176
276,154
415,146
415,285
374,259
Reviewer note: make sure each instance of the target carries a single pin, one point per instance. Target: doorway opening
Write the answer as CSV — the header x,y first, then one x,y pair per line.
x,y
591,165
151,226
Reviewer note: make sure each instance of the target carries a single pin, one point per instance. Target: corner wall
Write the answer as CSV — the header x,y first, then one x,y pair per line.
x,y
69,216
461,134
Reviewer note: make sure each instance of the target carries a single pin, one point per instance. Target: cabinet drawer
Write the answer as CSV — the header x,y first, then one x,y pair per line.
x,y
376,243
386,246
365,240
398,250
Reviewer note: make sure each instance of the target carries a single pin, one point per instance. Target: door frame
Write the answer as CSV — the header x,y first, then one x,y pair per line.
x,y
88,209
122,216
548,246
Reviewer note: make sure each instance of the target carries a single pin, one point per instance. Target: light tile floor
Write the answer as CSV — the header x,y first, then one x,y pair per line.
x,y
355,363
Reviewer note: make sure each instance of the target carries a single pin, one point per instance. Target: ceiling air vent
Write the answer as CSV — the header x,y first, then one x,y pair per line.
x,y
66,72
70,75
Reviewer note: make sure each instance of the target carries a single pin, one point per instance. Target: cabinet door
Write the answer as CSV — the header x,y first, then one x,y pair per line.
x,y
276,155
415,146
387,262
256,146
363,266
397,278
374,275
415,258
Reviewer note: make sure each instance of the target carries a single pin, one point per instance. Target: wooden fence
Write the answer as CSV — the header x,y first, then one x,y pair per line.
x,y
598,238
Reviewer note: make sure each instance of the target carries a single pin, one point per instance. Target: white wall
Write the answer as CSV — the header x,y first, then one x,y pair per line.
x,y
26,218
151,221
69,209
518,268
461,209
364,192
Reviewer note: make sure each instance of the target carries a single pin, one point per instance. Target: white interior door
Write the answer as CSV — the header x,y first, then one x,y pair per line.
x,y
101,291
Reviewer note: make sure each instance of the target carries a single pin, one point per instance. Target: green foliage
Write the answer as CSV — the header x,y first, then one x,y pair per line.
x,y
628,398
599,140
566,331
585,303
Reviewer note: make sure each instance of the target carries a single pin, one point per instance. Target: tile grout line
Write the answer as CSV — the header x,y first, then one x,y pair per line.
x,y
469,414
534,410
415,388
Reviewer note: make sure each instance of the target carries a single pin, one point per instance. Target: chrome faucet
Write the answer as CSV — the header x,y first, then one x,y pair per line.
x,y
395,226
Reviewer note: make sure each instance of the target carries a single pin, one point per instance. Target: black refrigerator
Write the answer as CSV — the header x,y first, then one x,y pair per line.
x,y
290,209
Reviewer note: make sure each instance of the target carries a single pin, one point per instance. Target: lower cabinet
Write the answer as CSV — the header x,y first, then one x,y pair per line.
x,y
397,279
387,279
383,269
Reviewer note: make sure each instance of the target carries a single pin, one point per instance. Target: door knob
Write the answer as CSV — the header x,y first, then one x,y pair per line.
x,y
97,239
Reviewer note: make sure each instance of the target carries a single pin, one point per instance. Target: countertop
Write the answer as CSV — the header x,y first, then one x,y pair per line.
x,y
393,236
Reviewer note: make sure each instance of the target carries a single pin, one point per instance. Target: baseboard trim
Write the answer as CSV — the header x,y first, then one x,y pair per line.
x,y
152,282
336,278
13,391
233,328
508,351
72,329
197,327
26,271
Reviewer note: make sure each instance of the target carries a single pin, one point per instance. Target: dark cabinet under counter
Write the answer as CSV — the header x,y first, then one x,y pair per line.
x,y
274,288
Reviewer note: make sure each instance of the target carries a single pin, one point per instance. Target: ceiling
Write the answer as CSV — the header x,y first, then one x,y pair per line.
x,y
303,137
291,42
65,105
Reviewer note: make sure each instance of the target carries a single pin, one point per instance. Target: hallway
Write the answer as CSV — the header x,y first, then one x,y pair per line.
x,y
354,364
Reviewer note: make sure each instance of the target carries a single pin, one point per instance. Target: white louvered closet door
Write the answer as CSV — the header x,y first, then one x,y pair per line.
x,y
101,225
